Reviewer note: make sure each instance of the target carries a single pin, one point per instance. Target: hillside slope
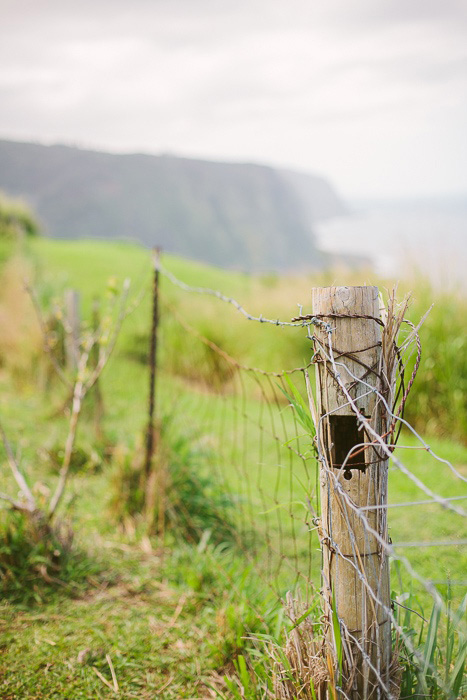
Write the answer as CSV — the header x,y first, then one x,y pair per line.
x,y
246,216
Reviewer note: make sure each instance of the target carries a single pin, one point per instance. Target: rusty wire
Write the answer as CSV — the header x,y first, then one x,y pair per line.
x,y
253,423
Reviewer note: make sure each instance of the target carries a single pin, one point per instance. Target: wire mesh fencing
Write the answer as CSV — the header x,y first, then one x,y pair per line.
x,y
327,491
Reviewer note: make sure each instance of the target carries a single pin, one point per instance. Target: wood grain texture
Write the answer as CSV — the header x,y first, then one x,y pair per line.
x,y
356,556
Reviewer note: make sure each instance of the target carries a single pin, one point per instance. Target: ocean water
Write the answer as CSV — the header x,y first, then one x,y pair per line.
x,y
400,237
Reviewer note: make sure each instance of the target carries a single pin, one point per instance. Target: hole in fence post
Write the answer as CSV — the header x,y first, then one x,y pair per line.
x,y
346,444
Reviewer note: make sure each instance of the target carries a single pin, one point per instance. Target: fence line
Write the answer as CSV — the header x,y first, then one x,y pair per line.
x,y
285,522
311,321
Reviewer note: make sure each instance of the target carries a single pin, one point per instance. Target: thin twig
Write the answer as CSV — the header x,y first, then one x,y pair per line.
x,y
105,356
410,610
104,680
112,671
45,334
19,478
178,610
17,505
78,394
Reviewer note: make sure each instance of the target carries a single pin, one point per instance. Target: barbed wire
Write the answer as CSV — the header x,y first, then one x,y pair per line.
x,y
281,537
311,321
222,353
387,449
386,546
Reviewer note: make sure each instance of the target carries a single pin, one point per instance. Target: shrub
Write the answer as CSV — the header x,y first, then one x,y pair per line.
x,y
35,558
16,219
84,458
185,500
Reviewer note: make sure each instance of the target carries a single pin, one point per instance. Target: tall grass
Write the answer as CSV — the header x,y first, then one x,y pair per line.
x,y
32,565
434,407
439,402
436,670
180,497
284,665
20,340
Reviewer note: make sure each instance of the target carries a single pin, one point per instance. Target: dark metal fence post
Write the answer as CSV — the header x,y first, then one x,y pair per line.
x,y
151,432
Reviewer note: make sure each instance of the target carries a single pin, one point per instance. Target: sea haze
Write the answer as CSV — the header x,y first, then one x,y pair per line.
x,y
403,236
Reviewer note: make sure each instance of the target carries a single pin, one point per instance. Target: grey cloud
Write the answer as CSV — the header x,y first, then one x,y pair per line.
x,y
258,78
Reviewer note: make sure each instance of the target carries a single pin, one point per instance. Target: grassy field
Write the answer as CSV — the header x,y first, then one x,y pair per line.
x,y
171,616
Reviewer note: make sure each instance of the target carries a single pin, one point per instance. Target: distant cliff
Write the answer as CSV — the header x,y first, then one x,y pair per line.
x,y
246,216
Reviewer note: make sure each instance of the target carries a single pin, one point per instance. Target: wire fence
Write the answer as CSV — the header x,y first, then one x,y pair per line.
x,y
305,485
312,521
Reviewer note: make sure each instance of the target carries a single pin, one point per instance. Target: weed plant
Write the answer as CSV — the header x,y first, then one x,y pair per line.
x,y
84,458
188,500
32,565
431,660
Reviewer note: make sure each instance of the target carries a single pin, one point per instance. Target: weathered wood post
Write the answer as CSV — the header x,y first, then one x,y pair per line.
x,y
95,355
355,572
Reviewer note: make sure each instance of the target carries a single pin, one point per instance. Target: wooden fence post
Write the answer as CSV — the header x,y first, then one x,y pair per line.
x,y
95,354
355,572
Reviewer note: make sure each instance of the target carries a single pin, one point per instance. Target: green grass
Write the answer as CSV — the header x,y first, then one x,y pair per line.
x,y
438,404
167,618
128,595
50,651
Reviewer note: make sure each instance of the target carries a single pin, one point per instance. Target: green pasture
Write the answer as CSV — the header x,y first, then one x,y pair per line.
x,y
128,588
88,265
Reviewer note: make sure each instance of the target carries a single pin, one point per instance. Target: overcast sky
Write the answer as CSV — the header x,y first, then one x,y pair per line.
x,y
370,93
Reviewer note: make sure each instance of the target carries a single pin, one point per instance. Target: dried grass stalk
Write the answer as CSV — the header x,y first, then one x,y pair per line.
x,y
300,671
393,316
